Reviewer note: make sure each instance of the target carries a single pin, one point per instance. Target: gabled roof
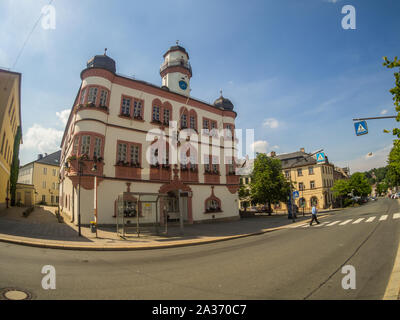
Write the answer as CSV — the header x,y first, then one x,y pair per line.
x,y
51,159
296,159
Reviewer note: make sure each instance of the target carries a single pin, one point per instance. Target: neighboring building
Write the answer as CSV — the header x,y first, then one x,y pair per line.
x,y
10,120
43,175
341,173
25,194
108,130
313,181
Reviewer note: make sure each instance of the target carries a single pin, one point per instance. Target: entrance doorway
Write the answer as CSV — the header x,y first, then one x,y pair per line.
x,y
176,204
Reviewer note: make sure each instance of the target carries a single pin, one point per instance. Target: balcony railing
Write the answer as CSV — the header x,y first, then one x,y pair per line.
x,y
175,63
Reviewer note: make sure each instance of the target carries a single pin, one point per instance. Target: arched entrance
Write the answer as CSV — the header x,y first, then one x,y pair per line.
x,y
178,203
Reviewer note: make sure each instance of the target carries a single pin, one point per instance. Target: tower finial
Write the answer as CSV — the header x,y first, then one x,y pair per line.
x,y
105,51
220,91
177,42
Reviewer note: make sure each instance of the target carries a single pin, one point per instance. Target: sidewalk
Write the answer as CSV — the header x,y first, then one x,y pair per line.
x,y
42,229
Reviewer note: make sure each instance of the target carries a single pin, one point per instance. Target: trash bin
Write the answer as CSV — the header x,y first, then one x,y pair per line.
x,y
93,226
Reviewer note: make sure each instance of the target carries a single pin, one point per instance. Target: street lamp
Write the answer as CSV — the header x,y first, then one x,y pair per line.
x,y
94,169
80,172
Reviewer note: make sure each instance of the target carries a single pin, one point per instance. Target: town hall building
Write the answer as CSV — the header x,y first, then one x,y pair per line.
x,y
135,137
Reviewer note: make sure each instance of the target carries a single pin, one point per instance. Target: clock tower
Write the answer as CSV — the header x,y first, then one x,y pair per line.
x,y
176,70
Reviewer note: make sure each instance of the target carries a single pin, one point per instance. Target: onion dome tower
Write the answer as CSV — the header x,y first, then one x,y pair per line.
x,y
176,70
223,103
102,62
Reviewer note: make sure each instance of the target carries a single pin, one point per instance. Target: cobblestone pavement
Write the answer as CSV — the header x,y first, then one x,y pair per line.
x,y
42,223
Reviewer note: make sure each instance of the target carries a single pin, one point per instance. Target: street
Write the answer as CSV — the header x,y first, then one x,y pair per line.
x,y
296,263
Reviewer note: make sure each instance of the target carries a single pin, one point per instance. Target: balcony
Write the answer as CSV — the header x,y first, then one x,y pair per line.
x,y
176,63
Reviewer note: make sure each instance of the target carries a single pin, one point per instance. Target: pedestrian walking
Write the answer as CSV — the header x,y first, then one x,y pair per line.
x,y
314,215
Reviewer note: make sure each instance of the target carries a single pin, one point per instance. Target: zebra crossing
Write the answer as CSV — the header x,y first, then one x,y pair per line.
x,y
384,217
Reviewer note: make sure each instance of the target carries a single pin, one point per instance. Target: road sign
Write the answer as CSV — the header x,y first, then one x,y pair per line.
x,y
320,157
361,128
296,194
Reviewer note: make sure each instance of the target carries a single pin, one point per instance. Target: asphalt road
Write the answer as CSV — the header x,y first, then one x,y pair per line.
x,y
298,263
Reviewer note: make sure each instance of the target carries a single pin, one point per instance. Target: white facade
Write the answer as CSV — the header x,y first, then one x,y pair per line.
x,y
116,130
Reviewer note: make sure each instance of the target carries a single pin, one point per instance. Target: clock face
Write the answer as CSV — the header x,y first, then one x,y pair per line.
x,y
182,85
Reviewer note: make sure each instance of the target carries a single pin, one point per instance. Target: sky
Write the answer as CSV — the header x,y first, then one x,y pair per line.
x,y
293,73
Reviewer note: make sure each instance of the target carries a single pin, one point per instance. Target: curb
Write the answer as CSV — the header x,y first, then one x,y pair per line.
x,y
184,243
393,288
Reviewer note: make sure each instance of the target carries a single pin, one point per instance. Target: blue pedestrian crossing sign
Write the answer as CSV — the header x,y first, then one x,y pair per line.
x,y
320,157
361,128
296,194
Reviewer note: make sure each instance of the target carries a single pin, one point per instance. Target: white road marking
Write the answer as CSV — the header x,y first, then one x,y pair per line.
x,y
384,217
370,219
396,216
358,220
333,223
322,224
345,222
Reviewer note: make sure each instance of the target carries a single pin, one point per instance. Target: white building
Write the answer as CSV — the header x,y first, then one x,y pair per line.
x,y
124,132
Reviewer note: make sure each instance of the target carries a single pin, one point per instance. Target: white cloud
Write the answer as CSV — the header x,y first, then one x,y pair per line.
x,y
40,140
260,146
374,159
384,111
63,116
271,123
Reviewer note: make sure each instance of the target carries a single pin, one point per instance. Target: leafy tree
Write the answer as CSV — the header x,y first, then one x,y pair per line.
x,y
359,184
15,166
395,91
268,184
341,188
394,164
382,188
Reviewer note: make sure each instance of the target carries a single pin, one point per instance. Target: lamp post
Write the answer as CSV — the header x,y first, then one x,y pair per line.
x,y
80,171
94,169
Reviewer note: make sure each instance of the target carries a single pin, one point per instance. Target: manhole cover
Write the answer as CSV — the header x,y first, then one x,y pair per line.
x,y
14,294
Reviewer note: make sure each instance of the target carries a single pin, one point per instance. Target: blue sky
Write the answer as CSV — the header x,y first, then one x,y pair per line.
x,y
293,73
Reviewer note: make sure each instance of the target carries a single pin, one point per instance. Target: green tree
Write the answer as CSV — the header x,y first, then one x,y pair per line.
x,y
268,184
341,188
382,188
15,166
395,91
394,164
359,184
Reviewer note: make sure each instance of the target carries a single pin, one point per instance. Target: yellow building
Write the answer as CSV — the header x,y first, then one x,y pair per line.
x,y
10,120
43,174
313,181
